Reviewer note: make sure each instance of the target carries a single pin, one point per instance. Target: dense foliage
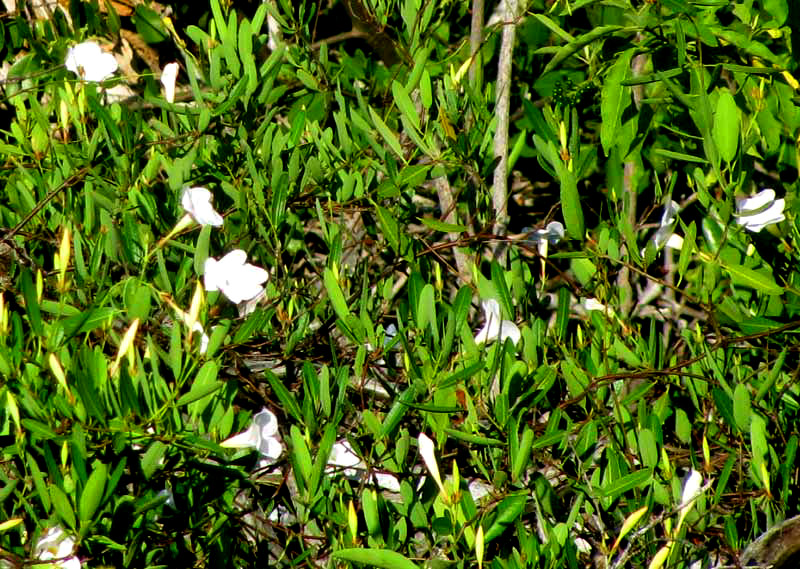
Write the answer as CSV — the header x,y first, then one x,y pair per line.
x,y
622,316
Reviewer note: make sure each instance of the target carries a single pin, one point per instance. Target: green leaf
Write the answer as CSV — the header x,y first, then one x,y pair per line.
x,y
437,225
198,392
201,249
92,493
680,156
301,457
726,126
614,98
369,505
758,437
386,133
205,383
285,396
499,282
742,411
398,410
403,102
38,482
31,302
62,506
629,482
570,197
648,448
426,312
753,279
139,303
383,558
523,452
389,227
508,511
578,44
148,25
233,97
335,294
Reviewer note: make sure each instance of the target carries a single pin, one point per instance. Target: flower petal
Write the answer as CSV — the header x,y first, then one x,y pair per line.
x,y
746,206
89,62
509,330
270,448
426,449
211,273
756,212
267,423
197,203
238,280
554,232
168,77
692,488
246,439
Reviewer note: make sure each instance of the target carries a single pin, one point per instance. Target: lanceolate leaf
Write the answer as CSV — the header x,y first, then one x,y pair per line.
x,y
382,558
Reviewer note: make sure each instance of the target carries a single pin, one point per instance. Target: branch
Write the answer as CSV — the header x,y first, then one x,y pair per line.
x,y
502,104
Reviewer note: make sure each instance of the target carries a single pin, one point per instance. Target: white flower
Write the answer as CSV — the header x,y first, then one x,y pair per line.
x,y
495,326
168,77
197,203
692,488
755,213
89,62
234,276
550,235
261,435
428,452
664,235
55,544
344,457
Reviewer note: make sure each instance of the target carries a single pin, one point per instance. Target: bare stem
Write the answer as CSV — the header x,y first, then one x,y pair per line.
x,y
502,105
475,39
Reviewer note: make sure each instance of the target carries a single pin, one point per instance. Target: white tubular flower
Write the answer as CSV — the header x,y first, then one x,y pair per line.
x,y
56,544
428,452
197,203
261,436
495,326
755,213
90,63
168,77
238,280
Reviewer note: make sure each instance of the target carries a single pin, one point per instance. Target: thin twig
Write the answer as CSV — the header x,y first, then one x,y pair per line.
x,y
39,206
